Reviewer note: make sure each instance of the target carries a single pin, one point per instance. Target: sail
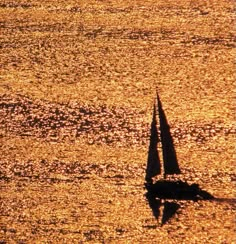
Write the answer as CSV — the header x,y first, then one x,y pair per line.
x,y
169,155
153,162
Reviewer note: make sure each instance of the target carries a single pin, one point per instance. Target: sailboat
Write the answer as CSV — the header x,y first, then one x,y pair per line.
x,y
165,188
170,162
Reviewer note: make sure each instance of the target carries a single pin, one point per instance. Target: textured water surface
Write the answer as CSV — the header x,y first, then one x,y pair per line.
x,y
77,86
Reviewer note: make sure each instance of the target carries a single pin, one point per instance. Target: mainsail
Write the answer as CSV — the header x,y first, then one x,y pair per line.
x,y
153,162
169,155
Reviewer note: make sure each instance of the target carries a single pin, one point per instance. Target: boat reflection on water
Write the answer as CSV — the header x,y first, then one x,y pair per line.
x,y
163,189
169,208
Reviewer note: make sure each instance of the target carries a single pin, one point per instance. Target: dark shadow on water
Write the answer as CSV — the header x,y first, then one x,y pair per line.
x,y
169,208
231,201
154,204
168,193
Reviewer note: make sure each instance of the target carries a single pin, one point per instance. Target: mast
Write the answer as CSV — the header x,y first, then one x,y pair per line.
x,y
169,155
153,161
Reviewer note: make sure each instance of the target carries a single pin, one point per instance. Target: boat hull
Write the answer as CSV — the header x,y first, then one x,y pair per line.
x,y
177,190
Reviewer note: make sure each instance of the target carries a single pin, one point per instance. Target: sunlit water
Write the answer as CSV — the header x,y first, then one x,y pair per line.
x,y
77,87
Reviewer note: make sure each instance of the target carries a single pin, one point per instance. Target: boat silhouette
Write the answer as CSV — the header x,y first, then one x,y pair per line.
x,y
164,188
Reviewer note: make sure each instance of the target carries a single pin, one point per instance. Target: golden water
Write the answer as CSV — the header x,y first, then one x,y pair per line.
x,y
76,91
